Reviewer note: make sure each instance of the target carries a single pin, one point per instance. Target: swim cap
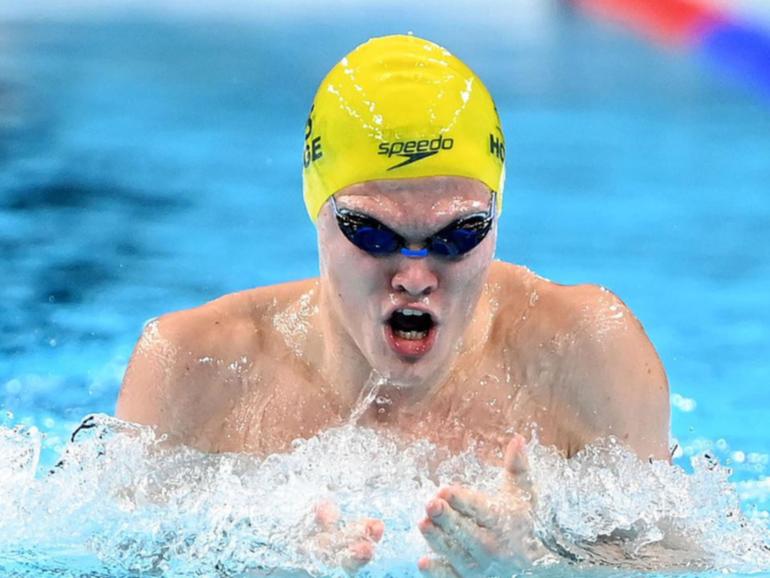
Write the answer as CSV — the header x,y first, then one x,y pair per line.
x,y
399,107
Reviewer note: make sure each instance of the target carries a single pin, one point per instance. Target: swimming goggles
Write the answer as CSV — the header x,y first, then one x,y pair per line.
x,y
457,238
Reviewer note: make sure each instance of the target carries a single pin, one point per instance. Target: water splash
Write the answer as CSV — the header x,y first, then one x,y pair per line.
x,y
604,505
367,395
120,502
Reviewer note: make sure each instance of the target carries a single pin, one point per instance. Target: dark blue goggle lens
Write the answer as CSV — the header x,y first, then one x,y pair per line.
x,y
460,237
371,236
374,240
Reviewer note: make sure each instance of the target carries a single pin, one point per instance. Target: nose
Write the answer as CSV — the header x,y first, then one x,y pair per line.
x,y
414,277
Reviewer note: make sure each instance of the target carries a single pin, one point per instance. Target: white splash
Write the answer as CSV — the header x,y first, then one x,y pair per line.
x,y
293,322
120,503
683,403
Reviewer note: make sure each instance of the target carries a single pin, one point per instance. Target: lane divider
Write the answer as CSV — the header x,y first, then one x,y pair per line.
x,y
733,45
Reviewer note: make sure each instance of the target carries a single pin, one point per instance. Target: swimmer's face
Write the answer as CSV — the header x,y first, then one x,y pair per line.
x,y
377,299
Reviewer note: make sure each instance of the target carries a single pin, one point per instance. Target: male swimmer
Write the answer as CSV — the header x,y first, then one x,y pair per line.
x,y
403,177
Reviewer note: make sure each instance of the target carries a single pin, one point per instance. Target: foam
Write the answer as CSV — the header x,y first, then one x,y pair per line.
x,y
120,502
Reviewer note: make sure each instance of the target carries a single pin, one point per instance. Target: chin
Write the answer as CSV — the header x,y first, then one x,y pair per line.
x,y
408,373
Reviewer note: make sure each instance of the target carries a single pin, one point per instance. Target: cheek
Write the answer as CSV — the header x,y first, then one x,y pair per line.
x,y
480,260
352,279
464,279
353,275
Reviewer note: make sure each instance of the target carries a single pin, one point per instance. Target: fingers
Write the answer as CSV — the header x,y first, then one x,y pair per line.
x,y
447,547
517,468
471,531
358,554
365,529
327,515
361,538
374,529
462,530
475,505
347,546
515,459
436,568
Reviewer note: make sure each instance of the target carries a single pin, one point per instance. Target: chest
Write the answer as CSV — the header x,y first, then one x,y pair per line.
x,y
482,405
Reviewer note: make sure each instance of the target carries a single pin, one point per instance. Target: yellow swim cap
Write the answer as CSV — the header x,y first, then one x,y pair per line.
x,y
399,107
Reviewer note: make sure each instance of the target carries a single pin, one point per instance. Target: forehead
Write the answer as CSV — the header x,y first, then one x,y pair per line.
x,y
417,200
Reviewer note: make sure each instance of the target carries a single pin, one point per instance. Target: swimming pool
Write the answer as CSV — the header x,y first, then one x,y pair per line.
x,y
150,163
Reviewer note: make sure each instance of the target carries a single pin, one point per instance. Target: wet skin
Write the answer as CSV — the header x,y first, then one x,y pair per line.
x,y
513,352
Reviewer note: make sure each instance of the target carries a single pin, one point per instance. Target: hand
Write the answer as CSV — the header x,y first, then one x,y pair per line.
x,y
348,547
475,534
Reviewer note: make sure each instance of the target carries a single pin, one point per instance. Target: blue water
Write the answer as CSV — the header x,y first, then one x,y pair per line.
x,y
150,163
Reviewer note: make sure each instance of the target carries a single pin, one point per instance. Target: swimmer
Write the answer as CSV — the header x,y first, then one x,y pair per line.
x,y
403,173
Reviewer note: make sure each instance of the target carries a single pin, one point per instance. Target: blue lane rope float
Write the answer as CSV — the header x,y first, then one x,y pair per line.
x,y
728,42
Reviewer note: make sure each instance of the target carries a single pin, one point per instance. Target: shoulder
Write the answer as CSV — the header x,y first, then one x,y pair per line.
x,y
601,363
552,307
590,319
618,383
218,329
189,365
224,328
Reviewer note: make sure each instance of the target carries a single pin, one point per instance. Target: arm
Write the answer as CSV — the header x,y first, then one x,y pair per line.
x,y
618,387
153,382
178,379
144,392
614,379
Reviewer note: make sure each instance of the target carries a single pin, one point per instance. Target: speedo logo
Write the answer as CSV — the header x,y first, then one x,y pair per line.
x,y
414,150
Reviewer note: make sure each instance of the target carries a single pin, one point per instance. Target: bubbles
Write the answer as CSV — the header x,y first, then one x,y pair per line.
x,y
19,454
684,404
121,502
654,514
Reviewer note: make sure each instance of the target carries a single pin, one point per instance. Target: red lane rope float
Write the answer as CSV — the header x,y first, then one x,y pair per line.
x,y
731,45
673,22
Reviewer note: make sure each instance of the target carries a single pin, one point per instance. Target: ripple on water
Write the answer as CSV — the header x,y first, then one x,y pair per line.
x,y
120,503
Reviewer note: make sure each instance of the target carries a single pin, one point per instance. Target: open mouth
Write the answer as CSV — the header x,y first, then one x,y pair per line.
x,y
411,332
411,324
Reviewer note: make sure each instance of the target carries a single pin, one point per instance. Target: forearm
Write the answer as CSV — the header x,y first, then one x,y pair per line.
x,y
627,549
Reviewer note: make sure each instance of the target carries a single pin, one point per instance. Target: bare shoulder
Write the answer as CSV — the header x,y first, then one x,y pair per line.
x,y
190,366
602,363
550,308
618,383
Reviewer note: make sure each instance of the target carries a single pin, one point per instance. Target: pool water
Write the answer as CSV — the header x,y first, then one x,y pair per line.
x,y
151,161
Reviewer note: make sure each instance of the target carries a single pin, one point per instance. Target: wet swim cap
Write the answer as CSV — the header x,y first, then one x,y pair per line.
x,y
399,107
